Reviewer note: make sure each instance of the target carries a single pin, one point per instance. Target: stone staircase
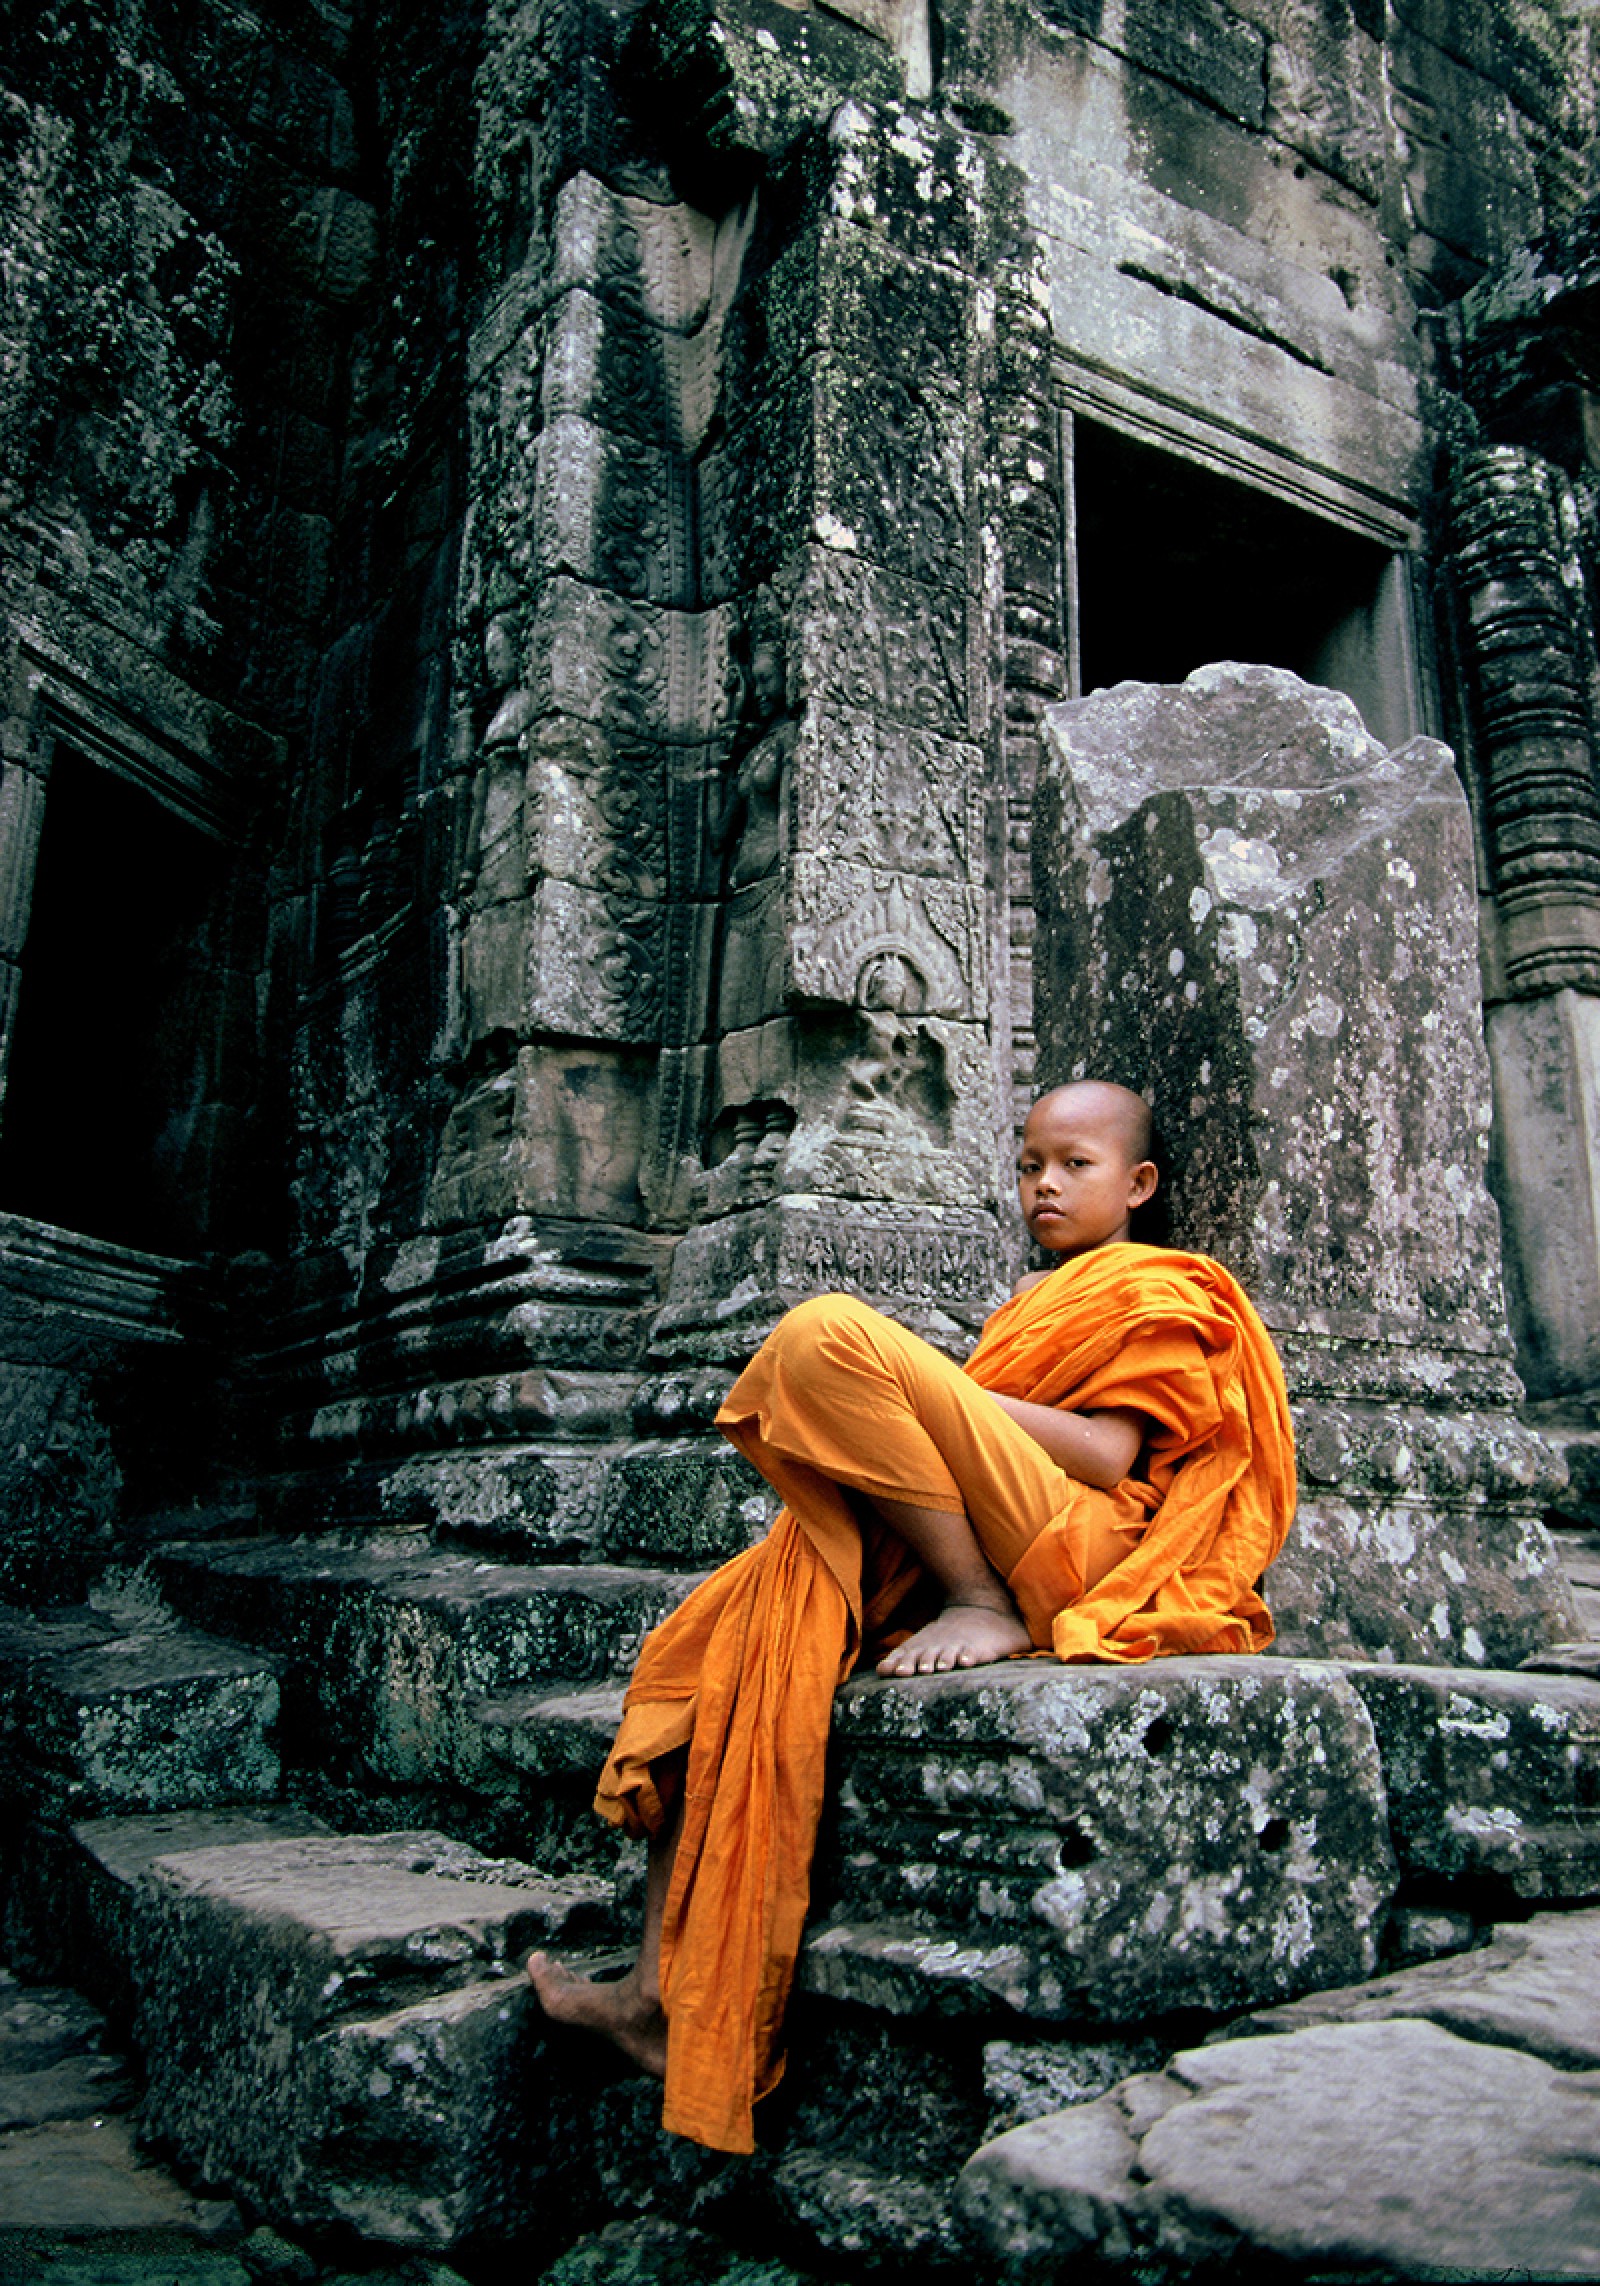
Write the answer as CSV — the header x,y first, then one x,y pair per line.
x,y
292,1810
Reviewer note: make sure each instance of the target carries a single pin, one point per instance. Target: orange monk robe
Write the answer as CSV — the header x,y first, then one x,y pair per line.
x,y
744,1672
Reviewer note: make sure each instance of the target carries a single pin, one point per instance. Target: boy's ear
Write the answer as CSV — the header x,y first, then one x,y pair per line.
x,y
1142,1182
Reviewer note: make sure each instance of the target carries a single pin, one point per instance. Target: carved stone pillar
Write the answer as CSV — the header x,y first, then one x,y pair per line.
x,y
1254,913
1516,571
859,1073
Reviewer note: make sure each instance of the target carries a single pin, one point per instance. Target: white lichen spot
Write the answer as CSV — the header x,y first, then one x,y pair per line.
x,y
831,532
1398,870
1498,1824
765,40
1100,883
1324,1017
1467,1718
1191,992
1452,1567
1175,961
1293,1938
1199,904
1475,1647
1439,1621
1237,937
1239,867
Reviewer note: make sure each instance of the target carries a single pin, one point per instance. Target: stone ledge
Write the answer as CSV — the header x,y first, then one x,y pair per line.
x,y
388,1647
361,2053
1111,1844
552,1734
1205,2166
1535,1987
1490,1775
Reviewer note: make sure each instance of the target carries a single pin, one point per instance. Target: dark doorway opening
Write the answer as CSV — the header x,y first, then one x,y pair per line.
x,y
1178,567
110,1077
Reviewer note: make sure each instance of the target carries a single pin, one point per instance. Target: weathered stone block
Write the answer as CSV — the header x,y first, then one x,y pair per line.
x,y
1205,49
938,1270
652,673
362,2024
1533,1987
387,1650
612,510
1494,1775
553,1734
893,491
104,1719
68,1910
1252,910
1481,1579
685,1502
1206,2164
882,645
1100,1846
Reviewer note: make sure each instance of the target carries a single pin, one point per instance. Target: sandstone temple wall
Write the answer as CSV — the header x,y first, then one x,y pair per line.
x,y
538,542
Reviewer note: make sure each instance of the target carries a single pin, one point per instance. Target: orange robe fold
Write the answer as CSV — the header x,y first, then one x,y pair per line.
x,y
743,1673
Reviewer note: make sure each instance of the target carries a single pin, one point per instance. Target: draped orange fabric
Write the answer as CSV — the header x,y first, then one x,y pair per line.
x,y
743,1673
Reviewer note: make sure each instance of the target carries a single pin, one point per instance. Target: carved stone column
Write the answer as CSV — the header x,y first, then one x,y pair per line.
x,y
859,1074
1528,656
1253,912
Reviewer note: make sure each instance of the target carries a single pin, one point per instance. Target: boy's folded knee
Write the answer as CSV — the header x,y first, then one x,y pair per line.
x,y
811,1322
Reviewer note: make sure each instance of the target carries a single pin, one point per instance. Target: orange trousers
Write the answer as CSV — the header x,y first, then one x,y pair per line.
x,y
841,1397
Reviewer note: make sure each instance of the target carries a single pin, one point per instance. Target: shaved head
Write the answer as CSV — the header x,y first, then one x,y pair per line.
x,y
1114,1110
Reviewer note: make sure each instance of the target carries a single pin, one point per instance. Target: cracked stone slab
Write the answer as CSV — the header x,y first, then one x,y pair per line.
x,y
1104,1844
1391,2148
1534,1987
1491,1774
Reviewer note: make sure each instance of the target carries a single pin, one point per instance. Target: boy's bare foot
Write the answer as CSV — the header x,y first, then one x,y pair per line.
x,y
963,1635
622,2012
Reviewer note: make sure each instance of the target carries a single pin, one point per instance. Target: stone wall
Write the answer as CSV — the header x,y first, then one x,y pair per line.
x,y
582,508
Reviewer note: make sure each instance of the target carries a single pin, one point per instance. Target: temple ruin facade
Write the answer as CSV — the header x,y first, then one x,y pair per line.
x,y
627,623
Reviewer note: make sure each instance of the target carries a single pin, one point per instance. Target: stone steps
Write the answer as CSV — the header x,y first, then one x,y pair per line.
x,y
390,1649
103,1711
1201,2166
1023,1863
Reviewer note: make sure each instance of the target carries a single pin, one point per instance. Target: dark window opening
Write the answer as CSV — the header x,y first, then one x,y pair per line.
x,y
1178,567
109,1083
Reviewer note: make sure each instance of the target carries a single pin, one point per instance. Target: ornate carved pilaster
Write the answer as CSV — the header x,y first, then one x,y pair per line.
x,y
1529,656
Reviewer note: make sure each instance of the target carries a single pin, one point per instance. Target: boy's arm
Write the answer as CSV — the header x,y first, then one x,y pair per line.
x,y
1097,1448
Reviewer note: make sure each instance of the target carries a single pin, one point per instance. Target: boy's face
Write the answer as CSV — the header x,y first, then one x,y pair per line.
x,y
1076,1178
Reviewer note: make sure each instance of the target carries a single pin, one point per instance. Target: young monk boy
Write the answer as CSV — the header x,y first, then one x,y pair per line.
x,y
1106,1478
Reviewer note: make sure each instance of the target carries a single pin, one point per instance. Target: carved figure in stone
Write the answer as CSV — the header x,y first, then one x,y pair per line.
x,y
750,831
750,834
1069,1491
514,706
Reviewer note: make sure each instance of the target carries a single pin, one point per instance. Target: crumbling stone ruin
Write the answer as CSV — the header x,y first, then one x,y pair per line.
x,y
626,620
